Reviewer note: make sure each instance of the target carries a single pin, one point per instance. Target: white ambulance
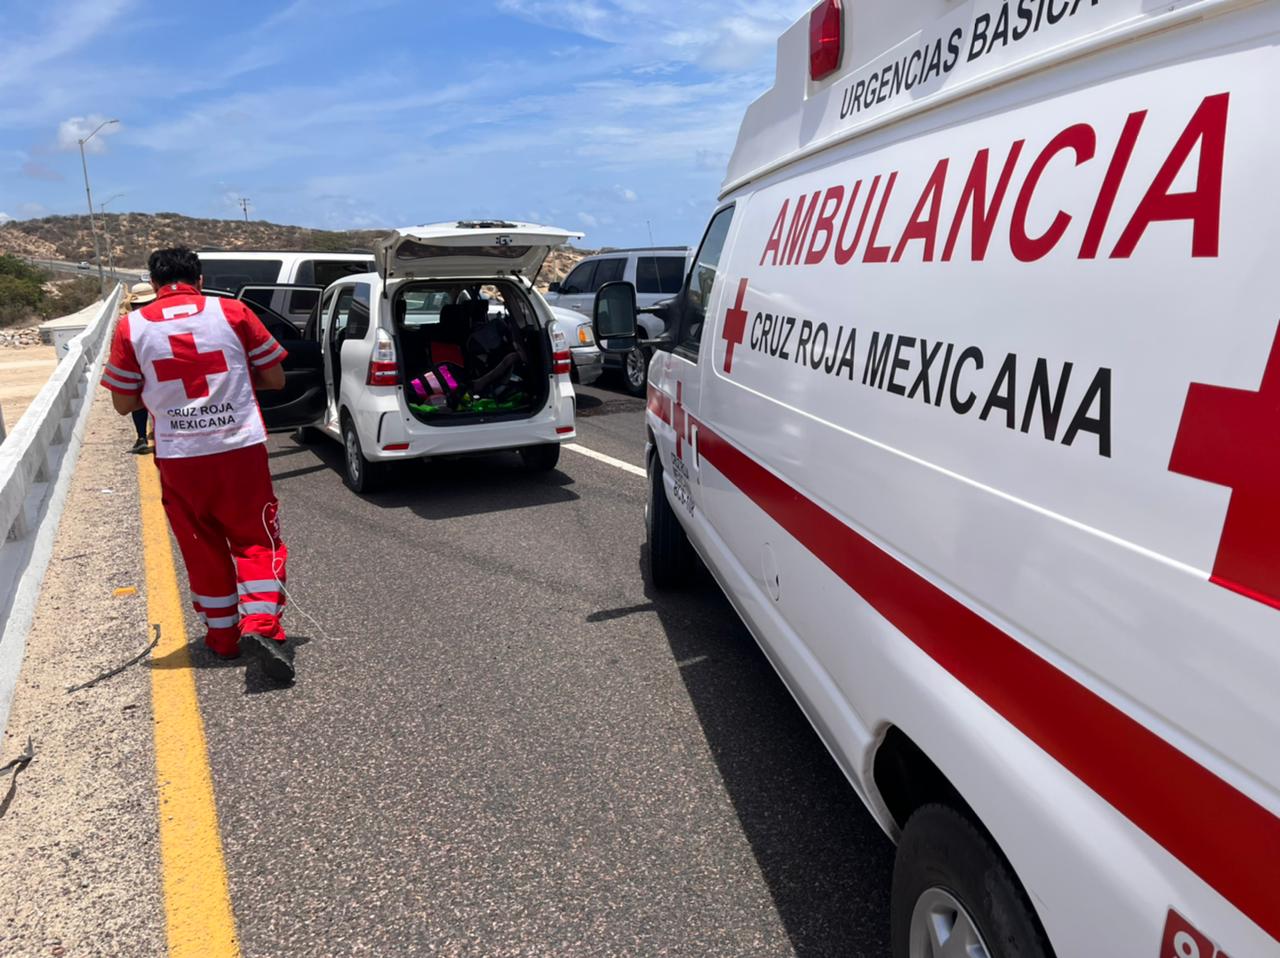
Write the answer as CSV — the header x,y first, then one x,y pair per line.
x,y
973,409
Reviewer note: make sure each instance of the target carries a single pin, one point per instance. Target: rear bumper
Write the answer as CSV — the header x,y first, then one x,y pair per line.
x,y
392,433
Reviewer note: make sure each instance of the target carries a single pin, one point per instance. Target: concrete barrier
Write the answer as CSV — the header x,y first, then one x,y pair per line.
x,y
36,462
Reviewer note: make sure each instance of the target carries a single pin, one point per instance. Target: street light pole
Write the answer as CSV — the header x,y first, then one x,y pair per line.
x,y
93,227
106,232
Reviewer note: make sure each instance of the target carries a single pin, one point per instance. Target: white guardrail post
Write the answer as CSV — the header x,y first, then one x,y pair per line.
x,y
36,462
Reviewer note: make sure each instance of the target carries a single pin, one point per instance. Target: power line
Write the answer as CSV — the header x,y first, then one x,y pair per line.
x,y
244,205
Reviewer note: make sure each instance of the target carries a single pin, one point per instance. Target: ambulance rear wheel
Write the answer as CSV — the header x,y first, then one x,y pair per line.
x,y
672,561
954,894
360,475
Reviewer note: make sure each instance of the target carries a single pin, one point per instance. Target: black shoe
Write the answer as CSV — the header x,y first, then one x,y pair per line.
x,y
140,447
276,660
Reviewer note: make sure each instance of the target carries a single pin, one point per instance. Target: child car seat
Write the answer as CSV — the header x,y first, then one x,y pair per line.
x,y
447,336
441,385
494,356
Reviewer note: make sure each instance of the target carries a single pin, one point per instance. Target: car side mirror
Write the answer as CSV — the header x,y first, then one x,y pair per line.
x,y
613,317
554,287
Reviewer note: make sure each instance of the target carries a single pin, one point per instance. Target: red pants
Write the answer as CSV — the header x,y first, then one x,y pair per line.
x,y
222,510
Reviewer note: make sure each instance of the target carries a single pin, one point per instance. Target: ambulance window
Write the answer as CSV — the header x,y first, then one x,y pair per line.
x,y
702,279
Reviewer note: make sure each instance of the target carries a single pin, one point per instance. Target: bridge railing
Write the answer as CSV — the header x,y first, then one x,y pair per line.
x,y
37,461
30,455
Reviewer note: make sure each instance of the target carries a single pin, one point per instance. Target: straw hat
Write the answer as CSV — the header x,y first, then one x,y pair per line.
x,y
140,294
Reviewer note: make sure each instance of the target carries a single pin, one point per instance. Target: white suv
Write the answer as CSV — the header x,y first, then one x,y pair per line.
x,y
232,270
445,349
657,273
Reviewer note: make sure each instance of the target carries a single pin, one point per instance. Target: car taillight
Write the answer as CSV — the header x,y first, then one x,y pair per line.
x,y
561,358
384,370
826,39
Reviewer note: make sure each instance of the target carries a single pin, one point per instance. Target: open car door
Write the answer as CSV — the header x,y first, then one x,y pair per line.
x,y
302,401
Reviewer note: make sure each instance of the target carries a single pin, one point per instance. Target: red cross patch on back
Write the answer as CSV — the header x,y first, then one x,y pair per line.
x,y
190,366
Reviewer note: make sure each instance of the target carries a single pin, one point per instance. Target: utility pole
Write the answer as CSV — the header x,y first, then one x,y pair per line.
x,y
93,227
244,205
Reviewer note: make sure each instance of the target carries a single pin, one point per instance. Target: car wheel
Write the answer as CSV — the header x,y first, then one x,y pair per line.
x,y
672,560
954,894
541,458
635,371
360,475
306,435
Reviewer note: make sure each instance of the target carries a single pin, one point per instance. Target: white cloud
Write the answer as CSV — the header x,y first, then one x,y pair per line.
x,y
72,130
726,35
5,218
68,26
627,111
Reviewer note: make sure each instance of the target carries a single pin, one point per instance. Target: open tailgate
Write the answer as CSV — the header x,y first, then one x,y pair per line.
x,y
468,249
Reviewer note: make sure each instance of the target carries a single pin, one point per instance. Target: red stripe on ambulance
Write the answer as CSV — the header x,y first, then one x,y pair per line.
x,y
1222,835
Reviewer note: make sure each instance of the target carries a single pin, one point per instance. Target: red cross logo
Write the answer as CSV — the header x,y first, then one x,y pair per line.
x,y
680,421
735,325
190,365
1231,437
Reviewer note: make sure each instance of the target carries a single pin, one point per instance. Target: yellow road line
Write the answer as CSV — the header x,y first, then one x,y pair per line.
x,y
198,913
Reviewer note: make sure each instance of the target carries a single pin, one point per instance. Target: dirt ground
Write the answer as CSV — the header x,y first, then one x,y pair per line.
x,y
22,372
79,847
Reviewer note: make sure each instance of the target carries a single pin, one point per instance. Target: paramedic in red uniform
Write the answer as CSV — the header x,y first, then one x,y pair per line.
x,y
194,361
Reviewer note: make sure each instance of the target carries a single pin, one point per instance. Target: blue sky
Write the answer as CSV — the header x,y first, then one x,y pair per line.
x,y
596,115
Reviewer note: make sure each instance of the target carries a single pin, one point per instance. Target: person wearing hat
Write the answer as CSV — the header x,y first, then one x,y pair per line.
x,y
139,295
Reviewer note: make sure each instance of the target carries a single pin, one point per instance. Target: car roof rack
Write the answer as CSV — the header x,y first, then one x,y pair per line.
x,y
355,251
642,249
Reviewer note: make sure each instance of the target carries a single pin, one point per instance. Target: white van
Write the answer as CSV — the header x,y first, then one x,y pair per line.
x,y
446,349
232,270
972,407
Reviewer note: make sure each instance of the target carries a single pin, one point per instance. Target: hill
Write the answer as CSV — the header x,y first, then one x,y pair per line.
x,y
134,235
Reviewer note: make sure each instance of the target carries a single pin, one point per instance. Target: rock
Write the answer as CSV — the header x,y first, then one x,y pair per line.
x,y
19,337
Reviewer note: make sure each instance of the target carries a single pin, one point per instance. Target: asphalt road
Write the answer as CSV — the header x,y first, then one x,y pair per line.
x,y
503,742
62,266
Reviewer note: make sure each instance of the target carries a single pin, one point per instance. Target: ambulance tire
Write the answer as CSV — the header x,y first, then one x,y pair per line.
x,y
943,852
540,458
672,561
360,475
